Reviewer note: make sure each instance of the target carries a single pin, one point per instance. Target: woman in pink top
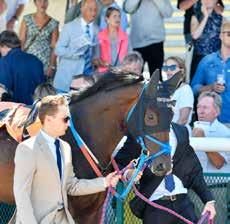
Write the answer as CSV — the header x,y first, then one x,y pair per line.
x,y
113,42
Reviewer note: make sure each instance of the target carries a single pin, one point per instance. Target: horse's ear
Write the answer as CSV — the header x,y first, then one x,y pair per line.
x,y
174,82
151,89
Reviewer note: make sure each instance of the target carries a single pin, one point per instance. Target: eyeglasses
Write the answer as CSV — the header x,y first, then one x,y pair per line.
x,y
66,119
227,32
171,68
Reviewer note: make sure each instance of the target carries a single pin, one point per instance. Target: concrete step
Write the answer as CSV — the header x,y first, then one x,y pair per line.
x,y
174,43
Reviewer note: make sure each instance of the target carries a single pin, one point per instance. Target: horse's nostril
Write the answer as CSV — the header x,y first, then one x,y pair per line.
x,y
150,117
160,167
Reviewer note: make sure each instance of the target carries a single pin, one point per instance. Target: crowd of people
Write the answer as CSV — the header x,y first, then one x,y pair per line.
x,y
95,39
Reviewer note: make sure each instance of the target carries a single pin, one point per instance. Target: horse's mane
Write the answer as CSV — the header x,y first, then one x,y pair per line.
x,y
107,82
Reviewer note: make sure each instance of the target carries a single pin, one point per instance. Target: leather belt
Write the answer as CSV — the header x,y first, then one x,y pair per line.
x,y
173,197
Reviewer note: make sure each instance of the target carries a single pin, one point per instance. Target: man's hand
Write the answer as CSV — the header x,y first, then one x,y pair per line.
x,y
10,24
198,132
112,179
129,173
209,207
216,159
218,87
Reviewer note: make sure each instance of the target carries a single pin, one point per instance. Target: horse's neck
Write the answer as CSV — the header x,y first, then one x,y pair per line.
x,y
100,119
99,125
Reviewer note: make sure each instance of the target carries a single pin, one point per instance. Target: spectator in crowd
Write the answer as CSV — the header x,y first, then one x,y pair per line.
x,y
41,187
183,95
75,46
15,9
205,31
208,109
103,14
147,29
74,12
213,73
20,72
192,7
133,63
113,42
39,34
3,8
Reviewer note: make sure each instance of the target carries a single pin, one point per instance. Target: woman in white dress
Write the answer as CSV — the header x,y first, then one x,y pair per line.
x,y
183,94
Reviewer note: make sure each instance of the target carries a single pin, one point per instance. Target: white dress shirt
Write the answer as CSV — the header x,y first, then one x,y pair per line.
x,y
12,6
50,142
179,187
214,129
83,26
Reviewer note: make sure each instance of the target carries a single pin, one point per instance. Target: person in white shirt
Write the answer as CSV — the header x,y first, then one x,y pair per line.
x,y
208,109
15,9
183,95
3,8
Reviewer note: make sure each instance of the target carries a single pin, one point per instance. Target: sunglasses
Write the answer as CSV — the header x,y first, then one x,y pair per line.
x,y
66,119
227,32
171,68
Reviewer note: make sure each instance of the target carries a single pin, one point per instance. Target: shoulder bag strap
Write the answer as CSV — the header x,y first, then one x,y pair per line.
x,y
37,34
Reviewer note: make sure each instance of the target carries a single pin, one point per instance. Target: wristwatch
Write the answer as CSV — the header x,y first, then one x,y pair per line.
x,y
53,67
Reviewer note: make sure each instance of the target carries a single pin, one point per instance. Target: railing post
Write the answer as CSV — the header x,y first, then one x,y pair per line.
x,y
119,205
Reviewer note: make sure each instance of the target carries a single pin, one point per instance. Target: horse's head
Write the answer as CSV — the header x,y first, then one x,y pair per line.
x,y
150,119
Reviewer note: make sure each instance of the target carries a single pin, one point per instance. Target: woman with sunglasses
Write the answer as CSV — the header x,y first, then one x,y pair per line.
x,y
183,95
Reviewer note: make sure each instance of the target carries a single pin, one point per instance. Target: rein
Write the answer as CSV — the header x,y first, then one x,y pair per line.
x,y
202,220
93,161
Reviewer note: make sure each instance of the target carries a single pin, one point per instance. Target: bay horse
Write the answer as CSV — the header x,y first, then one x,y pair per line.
x,y
98,115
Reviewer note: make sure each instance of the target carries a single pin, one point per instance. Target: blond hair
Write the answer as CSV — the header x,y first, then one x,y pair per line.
x,y
49,106
225,25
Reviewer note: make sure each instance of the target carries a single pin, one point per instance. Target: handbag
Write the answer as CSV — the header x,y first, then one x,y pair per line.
x,y
37,34
137,206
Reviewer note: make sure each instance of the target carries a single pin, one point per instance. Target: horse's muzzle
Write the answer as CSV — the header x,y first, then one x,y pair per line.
x,y
160,169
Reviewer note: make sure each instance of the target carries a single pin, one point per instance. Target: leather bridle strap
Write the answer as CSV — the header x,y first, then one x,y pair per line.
x,y
94,163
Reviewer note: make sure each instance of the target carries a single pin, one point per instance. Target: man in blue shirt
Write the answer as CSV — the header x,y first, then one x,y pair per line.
x,y
209,71
20,72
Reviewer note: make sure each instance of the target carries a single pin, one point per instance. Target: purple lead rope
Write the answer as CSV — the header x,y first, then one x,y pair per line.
x,y
110,191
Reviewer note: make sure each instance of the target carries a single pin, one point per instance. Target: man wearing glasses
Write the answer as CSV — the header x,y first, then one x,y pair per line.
x,y
213,74
44,173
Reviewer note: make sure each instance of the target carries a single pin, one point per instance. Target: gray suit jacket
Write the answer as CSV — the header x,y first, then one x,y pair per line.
x,y
38,191
70,49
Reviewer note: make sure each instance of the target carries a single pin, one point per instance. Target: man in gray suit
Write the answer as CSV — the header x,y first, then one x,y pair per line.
x,y
75,46
44,173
